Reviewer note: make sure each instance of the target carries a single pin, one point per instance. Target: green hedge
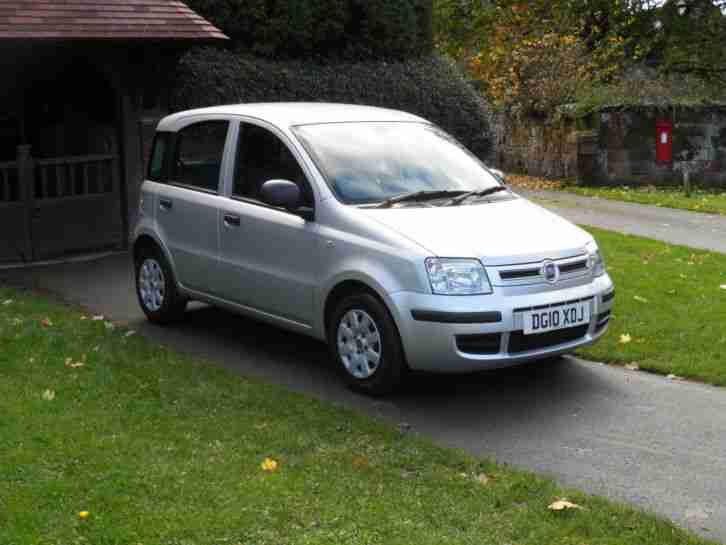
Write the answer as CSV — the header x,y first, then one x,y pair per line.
x,y
340,28
427,86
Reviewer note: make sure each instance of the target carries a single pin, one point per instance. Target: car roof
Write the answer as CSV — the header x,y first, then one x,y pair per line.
x,y
287,114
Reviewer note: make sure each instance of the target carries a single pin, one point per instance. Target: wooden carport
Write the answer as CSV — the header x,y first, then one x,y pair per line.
x,y
83,83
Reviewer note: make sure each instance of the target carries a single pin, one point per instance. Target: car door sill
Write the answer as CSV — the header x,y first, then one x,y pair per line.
x,y
287,323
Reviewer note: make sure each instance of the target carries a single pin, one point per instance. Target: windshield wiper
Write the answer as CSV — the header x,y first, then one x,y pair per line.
x,y
416,196
480,193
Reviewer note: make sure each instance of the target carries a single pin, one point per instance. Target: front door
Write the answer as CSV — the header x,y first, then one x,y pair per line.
x,y
188,204
268,256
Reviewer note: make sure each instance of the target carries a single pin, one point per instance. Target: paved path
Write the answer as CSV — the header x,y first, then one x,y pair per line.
x,y
631,436
706,231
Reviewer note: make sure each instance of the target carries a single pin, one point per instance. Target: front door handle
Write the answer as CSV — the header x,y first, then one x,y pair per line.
x,y
165,204
230,220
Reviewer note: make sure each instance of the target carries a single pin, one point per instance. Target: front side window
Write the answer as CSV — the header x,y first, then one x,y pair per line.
x,y
262,156
367,163
199,153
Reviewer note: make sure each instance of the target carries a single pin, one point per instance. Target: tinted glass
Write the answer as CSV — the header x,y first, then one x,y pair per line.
x,y
370,162
199,153
156,165
262,156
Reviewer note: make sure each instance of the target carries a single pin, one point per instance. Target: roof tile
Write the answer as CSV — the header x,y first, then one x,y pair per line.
x,y
103,19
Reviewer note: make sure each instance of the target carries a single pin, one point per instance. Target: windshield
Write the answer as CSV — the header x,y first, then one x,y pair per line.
x,y
367,163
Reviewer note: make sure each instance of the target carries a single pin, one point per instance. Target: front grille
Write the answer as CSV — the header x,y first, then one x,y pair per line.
x,y
530,273
519,342
608,296
487,343
602,320
522,273
573,267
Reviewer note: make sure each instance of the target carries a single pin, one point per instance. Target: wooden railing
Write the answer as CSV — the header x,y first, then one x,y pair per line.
x,y
74,176
9,187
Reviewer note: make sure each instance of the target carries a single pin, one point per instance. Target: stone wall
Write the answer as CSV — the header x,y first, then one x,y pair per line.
x,y
617,147
536,147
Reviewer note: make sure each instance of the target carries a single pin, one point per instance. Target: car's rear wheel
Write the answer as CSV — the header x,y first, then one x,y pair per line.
x,y
365,344
156,287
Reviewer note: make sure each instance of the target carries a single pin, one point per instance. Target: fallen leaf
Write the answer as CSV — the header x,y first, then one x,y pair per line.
x,y
8,302
562,505
632,367
46,322
482,479
84,515
625,338
97,318
108,325
130,333
723,286
74,365
49,395
640,299
84,317
673,377
96,348
268,464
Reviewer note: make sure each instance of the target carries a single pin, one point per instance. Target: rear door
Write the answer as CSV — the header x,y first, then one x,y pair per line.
x,y
268,256
188,204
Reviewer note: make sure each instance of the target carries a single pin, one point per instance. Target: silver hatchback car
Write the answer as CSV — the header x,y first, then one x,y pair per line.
x,y
370,229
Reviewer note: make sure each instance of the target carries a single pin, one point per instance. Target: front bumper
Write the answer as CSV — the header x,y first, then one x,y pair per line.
x,y
436,340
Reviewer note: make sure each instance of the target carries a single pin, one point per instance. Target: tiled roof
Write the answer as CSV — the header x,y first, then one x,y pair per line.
x,y
103,19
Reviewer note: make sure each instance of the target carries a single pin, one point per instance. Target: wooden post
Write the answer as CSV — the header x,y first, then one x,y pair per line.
x,y
26,190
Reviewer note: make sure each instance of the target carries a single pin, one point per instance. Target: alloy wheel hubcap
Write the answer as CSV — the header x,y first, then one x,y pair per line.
x,y
359,343
151,285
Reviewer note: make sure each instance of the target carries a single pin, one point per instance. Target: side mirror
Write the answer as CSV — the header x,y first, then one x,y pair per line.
x,y
281,193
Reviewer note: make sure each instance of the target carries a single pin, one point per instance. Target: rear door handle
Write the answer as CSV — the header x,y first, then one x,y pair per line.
x,y
165,204
230,220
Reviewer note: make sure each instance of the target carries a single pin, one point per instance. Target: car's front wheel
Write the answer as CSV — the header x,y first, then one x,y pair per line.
x,y
156,288
365,344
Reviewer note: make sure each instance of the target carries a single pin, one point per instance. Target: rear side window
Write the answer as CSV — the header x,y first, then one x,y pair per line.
x,y
156,165
198,155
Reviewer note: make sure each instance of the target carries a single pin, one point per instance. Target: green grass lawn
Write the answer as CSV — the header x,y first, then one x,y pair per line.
x,y
699,201
670,302
161,449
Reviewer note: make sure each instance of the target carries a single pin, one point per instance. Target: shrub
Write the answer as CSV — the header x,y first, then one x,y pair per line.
x,y
427,86
340,28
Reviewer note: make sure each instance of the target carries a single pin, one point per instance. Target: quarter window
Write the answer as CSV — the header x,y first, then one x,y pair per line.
x,y
156,165
199,153
262,156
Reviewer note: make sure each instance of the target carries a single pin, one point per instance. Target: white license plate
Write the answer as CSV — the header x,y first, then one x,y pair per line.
x,y
549,319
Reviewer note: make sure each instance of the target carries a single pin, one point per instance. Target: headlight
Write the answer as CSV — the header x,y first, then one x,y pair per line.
x,y
595,262
457,276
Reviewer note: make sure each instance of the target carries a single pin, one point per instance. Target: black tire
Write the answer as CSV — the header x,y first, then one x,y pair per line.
x,y
173,303
391,367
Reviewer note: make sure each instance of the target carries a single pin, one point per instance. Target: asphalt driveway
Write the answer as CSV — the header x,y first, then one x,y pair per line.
x,y
627,435
694,229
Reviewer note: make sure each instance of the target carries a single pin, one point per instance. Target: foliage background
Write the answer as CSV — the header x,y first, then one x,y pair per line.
x,y
429,86
338,28
531,57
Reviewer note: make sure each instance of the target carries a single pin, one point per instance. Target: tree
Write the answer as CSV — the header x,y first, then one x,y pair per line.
x,y
533,56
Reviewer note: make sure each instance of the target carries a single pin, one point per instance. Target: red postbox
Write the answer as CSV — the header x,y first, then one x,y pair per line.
x,y
664,141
